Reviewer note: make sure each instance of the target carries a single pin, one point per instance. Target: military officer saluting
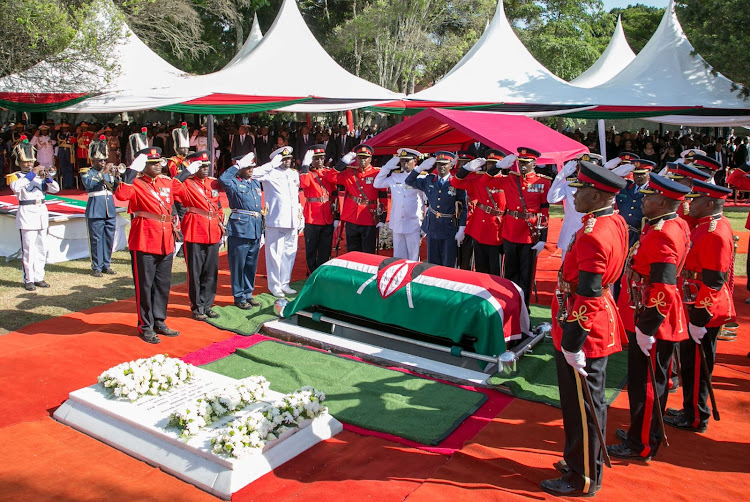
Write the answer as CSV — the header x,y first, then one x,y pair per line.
x,y
588,328
244,228
407,204
30,186
710,304
321,217
151,240
202,228
445,221
653,314
101,217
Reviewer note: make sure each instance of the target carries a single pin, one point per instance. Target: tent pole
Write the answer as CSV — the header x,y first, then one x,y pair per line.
x,y
210,142
602,139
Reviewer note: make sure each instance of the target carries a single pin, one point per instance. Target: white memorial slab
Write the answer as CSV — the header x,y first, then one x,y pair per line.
x,y
139,429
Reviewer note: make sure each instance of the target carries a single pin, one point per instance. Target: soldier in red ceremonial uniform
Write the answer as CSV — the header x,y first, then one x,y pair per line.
x,y
525,223
365,206
739,179
321,217
202,229
83,142
685,175
711,306
151,240
482,177
652,314
466,250
706,164
589,328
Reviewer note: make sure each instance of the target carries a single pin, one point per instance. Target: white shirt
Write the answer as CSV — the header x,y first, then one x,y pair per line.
x,y
561,191
45,149
34,216
281,189
407,203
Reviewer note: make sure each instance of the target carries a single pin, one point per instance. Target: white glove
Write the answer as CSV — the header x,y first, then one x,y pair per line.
x,y
307,159
139,163
569,168
276,161
336,224
577,360
645,342
696,332
379,225
348,158
475,165
246,161
426,164
391,164
538,246
664,171
623,170
507,162
193,167
611,164
460,235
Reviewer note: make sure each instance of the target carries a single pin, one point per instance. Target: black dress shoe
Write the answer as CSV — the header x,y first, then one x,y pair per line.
x,y
561,467
673,412
211,314
621,434
624,451
243,305
561,488
109,271
684,422
254,302
41,284
29,286
199,317
148,336
96,273
164,330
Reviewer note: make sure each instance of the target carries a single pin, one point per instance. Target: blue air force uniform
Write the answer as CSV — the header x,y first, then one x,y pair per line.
x,y
101,217
440,223
629,204
244,231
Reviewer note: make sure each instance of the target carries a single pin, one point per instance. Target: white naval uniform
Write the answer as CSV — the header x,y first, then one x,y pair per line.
x,y
284,221
45,150
561,191
407,213
33,222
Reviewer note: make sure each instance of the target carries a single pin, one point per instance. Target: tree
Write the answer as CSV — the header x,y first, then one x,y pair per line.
x,y
639,23
718,30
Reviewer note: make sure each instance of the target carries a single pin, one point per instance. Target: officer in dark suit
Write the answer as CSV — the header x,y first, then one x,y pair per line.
x,y
342,143
242,143
445,220
264,145
101,216
477,149
304,141
244,228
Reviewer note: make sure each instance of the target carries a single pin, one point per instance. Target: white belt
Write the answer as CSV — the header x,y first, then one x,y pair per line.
x,y
100,192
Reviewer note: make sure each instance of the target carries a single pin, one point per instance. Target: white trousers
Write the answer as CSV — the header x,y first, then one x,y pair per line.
x,y
281,250
406,246
33,254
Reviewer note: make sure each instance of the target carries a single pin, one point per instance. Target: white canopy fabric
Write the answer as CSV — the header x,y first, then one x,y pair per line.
x,y
667,74
613,60
137,68
499,69
253,39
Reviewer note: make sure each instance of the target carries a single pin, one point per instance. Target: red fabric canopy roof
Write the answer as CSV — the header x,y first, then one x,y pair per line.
x,y
440,129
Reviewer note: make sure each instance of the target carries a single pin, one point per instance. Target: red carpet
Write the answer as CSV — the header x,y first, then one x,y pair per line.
x,y
43,460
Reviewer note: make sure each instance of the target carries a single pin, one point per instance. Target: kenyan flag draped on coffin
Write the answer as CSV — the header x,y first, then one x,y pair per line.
x,y
430,299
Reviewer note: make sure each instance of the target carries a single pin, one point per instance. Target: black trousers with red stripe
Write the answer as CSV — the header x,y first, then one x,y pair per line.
x,y
152,274
644,435
582,451
694,383
202,274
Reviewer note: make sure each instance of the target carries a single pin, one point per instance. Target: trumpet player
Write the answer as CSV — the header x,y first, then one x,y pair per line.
x,y
100,181
30,185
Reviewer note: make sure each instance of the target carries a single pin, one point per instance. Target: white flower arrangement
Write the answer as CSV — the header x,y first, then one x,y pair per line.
x,y
209,408
144,377
248,435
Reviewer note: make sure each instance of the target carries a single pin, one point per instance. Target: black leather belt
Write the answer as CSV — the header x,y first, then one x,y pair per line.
x,y
31,202
489,210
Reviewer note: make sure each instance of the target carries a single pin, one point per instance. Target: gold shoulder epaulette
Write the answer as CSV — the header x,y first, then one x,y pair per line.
x,y
544,176
712,226
659,225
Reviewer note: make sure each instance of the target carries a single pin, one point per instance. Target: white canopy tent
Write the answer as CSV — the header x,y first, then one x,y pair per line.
x,y
613,60
667,73
253,39
499,69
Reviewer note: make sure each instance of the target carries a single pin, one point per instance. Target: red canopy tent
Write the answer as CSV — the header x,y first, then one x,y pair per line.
x,y
443,129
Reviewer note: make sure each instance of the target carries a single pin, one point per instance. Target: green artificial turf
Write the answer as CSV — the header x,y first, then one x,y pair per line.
x,y
358,393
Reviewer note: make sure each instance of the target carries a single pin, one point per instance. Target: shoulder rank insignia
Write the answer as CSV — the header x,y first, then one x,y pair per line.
x,y
712,226
686,206
589,225
659,224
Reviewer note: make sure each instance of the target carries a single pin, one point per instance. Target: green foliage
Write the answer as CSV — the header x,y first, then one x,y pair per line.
x,y
639,22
